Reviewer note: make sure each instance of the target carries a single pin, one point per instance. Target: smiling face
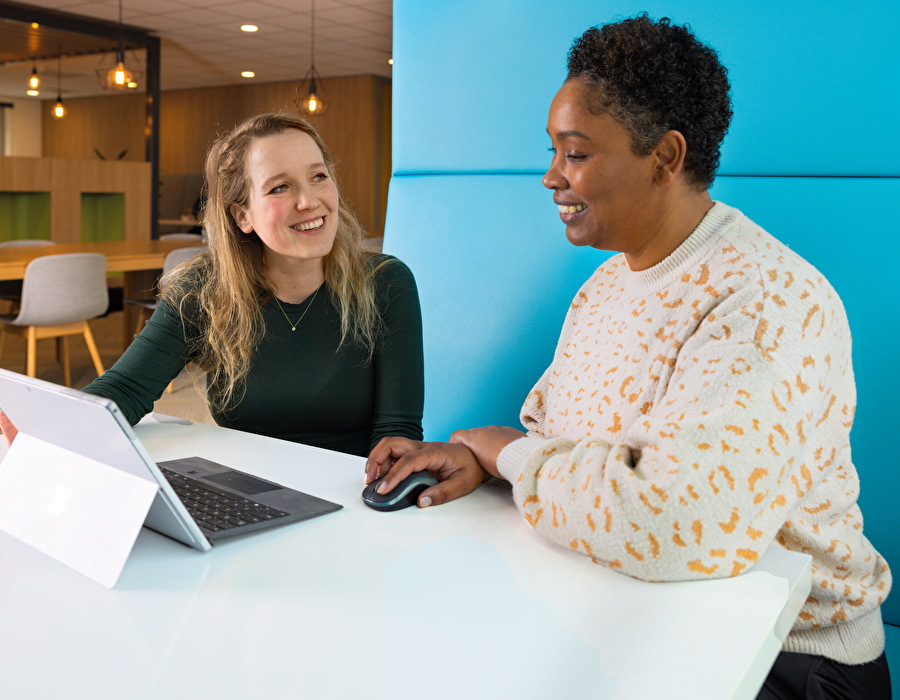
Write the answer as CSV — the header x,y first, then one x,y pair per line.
x,y
292,204
606,194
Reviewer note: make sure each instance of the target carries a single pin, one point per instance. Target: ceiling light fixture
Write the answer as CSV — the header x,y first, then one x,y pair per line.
x,y
249,28
248,74
314,103
58,110
119,77
34,82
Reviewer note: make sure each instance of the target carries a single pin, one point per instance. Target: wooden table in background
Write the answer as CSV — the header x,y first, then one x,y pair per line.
x,y
132,258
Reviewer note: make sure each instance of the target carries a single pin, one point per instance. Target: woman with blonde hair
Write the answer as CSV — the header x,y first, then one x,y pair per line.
x,y
303,334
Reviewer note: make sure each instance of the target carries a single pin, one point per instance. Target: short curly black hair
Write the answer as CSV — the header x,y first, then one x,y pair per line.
x,y
655,76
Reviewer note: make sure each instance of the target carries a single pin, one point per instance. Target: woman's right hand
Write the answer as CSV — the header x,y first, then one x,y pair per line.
x,y
9,430
454,466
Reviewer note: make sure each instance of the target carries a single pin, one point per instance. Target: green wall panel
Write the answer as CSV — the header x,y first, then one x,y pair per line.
x,y
24,215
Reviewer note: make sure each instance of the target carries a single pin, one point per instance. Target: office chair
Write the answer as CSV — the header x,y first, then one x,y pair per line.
x,y
198,237
146,307
374,244
11,290
25,242
59,294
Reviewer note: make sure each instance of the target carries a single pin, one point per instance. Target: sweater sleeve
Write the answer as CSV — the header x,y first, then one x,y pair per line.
x,y
141,374
702,483
398,360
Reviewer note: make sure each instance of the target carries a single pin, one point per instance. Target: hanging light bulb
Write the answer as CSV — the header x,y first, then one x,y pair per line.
x,y
314,103
119,77
34,82
58,110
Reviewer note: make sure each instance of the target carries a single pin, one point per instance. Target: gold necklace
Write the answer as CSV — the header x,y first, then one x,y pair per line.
x,y
294,325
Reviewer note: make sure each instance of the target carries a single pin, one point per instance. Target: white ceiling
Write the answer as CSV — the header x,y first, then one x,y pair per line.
x,y
202,43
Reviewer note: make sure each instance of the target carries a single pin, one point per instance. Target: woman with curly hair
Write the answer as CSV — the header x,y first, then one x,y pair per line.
x,y
698,407
301,332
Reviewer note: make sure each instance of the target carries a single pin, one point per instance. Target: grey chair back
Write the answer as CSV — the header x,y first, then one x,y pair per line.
x,y
179,255
60,289
25,242
182,237
374,244
11,290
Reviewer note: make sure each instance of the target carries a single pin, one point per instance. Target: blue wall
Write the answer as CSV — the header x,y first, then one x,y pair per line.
x,y
811,156
815,83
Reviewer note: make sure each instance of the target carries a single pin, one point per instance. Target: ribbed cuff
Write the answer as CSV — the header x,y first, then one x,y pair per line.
x,y
512,458
855,642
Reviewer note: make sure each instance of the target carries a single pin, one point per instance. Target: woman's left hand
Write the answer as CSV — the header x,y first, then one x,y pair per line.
x,y
486,444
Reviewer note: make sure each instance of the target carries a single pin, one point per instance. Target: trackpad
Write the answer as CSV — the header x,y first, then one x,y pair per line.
x,y
242,482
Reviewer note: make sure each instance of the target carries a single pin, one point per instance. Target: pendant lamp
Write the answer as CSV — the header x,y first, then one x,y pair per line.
x,y
58,110
119,77
314,103
34,82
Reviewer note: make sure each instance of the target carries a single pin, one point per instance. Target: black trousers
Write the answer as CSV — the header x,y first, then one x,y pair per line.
x,y
808,677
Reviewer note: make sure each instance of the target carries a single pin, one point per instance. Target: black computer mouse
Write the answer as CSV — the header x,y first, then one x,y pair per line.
x,y
403,495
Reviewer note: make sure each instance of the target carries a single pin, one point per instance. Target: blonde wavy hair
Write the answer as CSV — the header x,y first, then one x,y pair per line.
x,y
233,286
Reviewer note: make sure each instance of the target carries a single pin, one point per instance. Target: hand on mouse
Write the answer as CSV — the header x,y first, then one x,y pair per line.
x,y
386,453
455,467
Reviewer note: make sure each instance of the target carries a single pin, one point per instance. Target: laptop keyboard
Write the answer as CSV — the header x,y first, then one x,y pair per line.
x,y
215,509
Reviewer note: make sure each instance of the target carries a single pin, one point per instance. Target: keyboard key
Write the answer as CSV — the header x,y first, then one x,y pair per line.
x,y
216,510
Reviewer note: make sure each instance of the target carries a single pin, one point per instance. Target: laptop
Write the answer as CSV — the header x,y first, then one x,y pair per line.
x,y
77,484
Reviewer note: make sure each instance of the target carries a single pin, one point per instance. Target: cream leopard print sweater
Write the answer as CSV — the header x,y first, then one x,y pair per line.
x,y
699,411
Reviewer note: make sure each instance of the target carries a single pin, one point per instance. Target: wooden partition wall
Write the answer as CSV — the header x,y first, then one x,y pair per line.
x,y
356,129
71,183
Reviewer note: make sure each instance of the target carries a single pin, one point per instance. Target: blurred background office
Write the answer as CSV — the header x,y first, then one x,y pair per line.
x,y
200,67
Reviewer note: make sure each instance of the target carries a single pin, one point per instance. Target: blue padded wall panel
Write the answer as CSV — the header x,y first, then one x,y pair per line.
x,y
496,276
472,81
814,82
848,229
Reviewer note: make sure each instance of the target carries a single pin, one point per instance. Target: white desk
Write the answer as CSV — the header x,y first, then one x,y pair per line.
x,y
458,601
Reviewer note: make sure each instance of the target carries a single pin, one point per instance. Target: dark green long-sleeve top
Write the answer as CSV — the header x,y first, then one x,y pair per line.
x,y
301,386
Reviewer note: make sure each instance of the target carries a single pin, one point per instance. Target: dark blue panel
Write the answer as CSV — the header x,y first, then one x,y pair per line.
x,y
496,276
892,648
815,83
848,229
